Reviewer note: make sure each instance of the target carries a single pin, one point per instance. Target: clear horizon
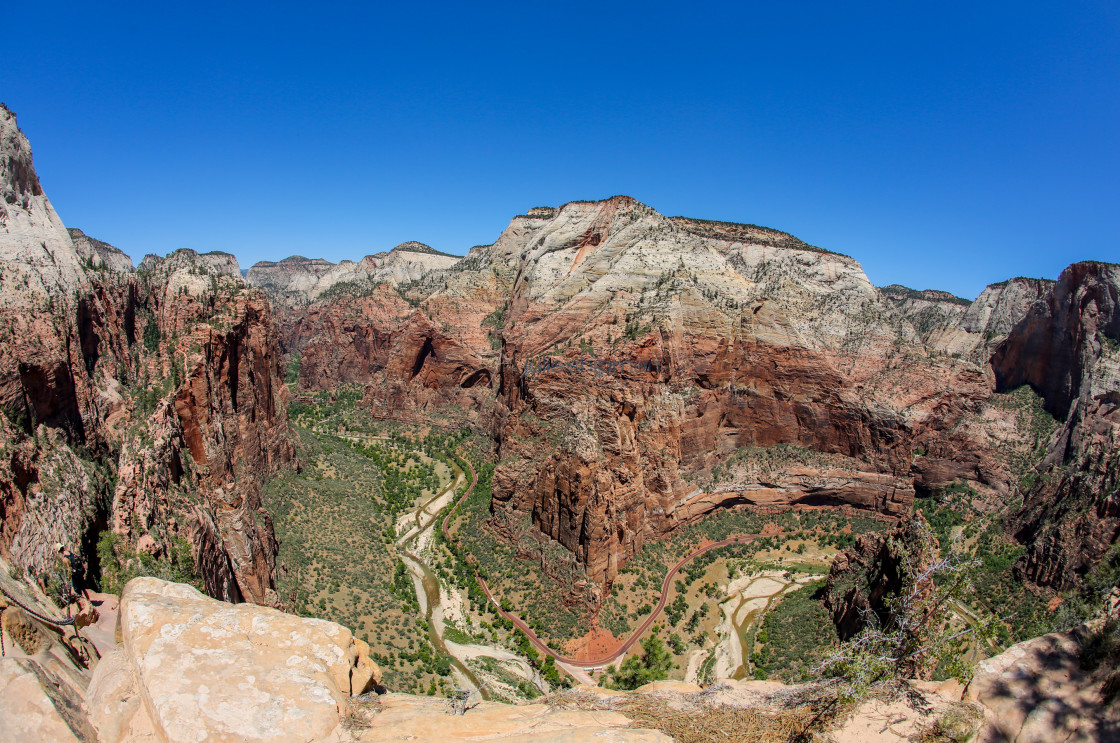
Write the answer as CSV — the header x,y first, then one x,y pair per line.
x,y
945,148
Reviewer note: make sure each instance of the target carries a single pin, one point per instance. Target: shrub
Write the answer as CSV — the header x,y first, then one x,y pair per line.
x,y
639,670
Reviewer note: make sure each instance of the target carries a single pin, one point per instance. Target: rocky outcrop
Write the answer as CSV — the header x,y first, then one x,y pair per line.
x,y
1068,349
147,401
929,310
988,320
186,263
191,668
37,256
187,668
1040,691
865,577
195,471
1056,346
98,255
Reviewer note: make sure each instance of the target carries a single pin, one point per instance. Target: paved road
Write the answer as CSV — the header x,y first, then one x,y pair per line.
x,y
629,642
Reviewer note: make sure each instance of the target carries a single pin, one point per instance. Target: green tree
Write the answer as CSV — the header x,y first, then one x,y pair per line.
x,y
639,670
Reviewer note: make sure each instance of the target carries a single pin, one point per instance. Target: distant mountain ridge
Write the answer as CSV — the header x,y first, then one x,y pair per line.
x,y
297,281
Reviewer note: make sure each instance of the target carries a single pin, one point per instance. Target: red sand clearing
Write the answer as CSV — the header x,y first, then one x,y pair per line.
x,y
597,643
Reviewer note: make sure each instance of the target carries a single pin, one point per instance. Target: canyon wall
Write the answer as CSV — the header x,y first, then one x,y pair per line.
x,y
638,371
148,401
1067,348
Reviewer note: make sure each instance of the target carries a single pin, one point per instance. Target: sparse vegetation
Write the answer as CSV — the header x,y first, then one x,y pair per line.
x,y
120,563
912,633
794,637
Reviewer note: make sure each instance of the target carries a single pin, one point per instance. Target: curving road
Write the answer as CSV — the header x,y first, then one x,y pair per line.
x,y
626,644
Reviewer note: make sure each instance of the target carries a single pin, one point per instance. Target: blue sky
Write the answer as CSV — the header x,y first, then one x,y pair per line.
x,y
944,145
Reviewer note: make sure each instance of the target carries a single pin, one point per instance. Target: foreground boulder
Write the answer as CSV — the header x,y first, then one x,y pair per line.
x,y
190,668
1044,690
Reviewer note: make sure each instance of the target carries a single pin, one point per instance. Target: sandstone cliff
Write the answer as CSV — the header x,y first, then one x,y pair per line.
x,y
297,281
773,372
988,320
929,310
98,255
149,401
1068,349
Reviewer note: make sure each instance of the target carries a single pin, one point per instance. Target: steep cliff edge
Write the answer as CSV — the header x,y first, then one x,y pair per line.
x,y
1067,348
184,667
149,401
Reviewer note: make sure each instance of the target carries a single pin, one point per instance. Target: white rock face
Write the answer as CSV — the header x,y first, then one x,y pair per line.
x,y
591,263
193,669
990,318
194,273
37,256
929,310
99,255
297,281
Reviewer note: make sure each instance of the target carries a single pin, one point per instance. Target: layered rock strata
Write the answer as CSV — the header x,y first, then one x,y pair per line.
x,y
747,338
296,281
148,401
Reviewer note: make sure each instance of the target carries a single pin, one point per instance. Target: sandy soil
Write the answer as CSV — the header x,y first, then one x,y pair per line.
x,y
748,598
103,632
595,644
692,669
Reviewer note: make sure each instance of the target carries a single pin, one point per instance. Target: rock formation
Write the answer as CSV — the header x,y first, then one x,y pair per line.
x,y
295,281
148,401
1068,349
929,310
863,578
990,318
1043,690
98,255
188,668
748,340
184,667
